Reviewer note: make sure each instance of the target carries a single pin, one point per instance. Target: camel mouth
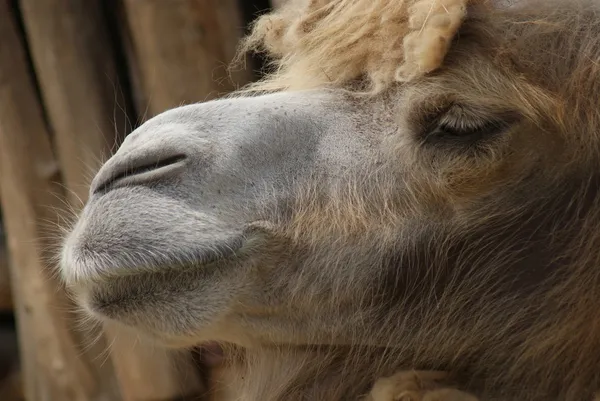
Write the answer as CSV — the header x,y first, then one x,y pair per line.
x,y
83,264
134,294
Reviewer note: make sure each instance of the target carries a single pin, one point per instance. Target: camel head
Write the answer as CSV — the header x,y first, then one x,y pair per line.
x,y
419,176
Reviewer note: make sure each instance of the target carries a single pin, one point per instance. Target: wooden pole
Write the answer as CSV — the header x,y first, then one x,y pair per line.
x,y
152,373
32,199
76,67
182,49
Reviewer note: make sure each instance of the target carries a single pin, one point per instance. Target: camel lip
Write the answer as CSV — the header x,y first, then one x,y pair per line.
x,y
82,266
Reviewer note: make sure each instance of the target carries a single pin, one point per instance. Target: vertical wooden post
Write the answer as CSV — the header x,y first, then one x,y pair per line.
x,y
78,89
74,62
32,198
76,67
182,50
152,373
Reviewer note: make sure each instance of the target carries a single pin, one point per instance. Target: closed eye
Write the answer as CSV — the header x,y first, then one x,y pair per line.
x,y
462,128
473,133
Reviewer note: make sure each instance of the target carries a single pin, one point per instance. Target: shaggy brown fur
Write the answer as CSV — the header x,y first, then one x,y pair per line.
x,y
510,306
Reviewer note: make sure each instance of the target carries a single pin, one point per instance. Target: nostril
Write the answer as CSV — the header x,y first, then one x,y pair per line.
x,y
142,170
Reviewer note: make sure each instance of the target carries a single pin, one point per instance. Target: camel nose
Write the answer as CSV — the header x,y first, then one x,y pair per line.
x,y
137,168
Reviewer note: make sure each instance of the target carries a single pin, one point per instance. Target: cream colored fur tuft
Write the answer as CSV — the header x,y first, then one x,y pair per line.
x,y
320,42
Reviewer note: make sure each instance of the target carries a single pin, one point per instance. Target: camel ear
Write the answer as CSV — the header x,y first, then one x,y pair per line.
x,y
432,25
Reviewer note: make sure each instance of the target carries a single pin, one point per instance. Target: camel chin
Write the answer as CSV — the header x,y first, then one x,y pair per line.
x,y
407,206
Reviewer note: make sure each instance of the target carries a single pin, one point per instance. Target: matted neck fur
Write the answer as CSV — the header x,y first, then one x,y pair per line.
x,y
378,204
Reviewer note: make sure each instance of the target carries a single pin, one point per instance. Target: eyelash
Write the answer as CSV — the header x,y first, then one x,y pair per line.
x,y
473,133
465,131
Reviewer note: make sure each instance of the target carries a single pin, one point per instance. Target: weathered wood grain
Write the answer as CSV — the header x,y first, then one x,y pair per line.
x,y
32,201
182,50
74,62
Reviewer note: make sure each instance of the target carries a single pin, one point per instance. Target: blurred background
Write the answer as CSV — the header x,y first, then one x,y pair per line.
x,y
76,77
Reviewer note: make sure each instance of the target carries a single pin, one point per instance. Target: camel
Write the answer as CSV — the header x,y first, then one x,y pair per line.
x,y
405,208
